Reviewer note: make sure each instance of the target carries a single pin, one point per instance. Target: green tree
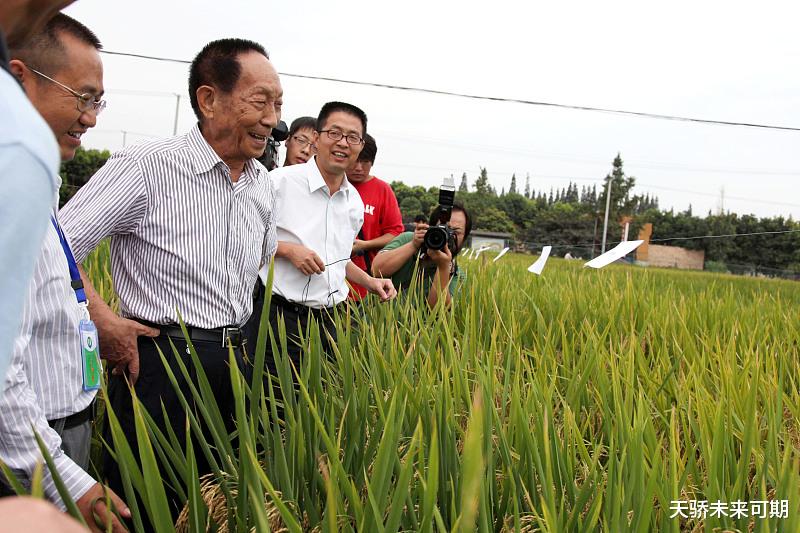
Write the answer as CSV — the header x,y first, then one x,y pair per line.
x,y
528,186
75,173
492,219
482,185
464,187
409,208
513,188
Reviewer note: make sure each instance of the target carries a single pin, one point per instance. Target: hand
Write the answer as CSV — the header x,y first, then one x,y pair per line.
x,y
419,235
93,505
442,258
384,288
29,514
118,338
359,246
305,260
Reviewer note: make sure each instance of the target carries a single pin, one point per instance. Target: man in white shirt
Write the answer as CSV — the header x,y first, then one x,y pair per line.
x,y
318,217
62,73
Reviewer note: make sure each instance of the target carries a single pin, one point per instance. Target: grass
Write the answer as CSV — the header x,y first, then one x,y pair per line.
x,y
581,400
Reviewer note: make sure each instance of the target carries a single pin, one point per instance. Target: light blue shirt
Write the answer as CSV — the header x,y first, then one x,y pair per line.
x,y
29,162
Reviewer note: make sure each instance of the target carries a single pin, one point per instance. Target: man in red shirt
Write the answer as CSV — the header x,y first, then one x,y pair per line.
x,y
382,219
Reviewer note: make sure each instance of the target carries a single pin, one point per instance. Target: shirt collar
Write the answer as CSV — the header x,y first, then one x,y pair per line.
x,y
205,157
316,181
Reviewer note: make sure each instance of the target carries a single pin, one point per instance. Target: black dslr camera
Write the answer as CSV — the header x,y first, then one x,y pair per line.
x,y
270,156
439,233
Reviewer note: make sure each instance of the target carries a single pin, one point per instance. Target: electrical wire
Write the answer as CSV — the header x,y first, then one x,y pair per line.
x,y
497,98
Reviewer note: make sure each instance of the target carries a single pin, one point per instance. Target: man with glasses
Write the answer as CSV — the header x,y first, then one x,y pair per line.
x,y
47,386
437,270
319,215
299,144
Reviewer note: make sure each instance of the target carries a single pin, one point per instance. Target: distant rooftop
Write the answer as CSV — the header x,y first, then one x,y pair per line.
x,y
499,235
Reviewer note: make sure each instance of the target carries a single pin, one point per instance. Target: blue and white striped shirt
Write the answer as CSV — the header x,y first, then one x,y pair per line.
x,y
45,379
184,236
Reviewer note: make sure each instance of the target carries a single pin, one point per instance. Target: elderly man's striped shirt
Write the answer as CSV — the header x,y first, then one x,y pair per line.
x,y
184,237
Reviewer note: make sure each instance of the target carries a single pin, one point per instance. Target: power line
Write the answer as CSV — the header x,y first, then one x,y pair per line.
x,y
497,98
573,158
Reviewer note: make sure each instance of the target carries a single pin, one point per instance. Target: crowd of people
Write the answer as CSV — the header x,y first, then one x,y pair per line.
x,y
195,223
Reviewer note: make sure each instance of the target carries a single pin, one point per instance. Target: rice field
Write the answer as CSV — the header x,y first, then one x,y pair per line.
x,y
613,400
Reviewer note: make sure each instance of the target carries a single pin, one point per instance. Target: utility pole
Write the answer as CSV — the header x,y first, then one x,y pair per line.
x,y
605,221
177,109
124,138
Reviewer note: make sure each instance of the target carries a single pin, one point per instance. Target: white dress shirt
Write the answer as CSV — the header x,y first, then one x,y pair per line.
x,y
45,379
326,223
183,235
28,178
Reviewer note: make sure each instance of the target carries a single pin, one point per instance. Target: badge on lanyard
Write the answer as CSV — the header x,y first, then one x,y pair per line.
x,y
90,350
90,355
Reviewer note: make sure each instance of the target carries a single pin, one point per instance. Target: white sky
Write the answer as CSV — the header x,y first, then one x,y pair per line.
x,y
734,61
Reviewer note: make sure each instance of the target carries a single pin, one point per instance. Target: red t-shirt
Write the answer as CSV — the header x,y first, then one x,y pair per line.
x,y
381,216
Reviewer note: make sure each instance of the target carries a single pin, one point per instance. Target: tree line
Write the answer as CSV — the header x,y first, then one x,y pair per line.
x,y
572,217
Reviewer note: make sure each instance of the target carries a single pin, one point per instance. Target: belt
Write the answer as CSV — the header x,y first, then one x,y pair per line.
x,y
233,334
298,307
76,419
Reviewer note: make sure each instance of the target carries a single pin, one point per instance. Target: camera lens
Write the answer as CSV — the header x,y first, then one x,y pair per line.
x,y
435,238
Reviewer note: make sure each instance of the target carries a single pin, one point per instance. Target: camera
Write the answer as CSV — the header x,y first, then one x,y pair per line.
x,y
439,233
270,156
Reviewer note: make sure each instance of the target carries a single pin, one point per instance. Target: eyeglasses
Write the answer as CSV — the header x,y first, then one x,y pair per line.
x,y
336,135
302,142
86,101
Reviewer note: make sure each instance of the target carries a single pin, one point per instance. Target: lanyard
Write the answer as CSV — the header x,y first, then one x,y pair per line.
x,y
74,274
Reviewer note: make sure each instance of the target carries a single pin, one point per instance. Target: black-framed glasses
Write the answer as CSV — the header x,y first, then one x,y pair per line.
x,y
86,101
336,135
302,142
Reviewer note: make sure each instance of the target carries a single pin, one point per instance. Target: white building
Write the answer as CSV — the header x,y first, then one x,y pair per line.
x,y
492,240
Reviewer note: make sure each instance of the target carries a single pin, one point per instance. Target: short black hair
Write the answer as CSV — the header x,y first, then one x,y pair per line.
x,y
369,150
421,219
457,206
217,65
44,51
333,107
302,123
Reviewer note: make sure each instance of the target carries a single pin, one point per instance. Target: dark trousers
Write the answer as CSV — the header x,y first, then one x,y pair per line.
x,y
296,318
154,388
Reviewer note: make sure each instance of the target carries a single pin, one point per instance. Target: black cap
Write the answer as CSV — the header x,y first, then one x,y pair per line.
x,y
280,132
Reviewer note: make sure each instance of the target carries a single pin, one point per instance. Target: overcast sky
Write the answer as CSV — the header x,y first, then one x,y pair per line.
x,y
732,61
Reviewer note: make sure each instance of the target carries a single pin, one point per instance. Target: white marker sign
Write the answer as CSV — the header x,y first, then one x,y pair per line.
x,y
615,254
501,254
538,266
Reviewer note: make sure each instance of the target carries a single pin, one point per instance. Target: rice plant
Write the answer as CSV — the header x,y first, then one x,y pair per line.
x,y
576,401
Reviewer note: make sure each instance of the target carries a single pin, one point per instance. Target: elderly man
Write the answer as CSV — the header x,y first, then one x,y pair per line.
x,y
46,386
28,169
191,222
